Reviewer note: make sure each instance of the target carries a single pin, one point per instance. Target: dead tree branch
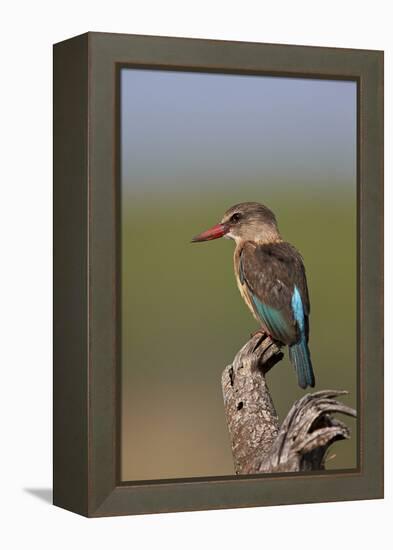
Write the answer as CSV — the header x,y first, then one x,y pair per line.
x,y
259,444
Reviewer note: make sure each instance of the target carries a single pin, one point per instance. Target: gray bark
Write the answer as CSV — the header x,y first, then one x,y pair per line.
x,y
259,444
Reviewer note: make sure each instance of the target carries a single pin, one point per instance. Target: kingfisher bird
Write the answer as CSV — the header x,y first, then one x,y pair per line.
x,y
271,277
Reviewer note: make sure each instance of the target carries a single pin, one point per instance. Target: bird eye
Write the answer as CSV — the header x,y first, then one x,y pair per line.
x,y
235,217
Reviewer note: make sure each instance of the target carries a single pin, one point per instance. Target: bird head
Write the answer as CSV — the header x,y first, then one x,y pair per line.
x,y
247,221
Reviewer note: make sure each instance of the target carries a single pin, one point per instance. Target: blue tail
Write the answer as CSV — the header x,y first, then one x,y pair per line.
x,y
299,355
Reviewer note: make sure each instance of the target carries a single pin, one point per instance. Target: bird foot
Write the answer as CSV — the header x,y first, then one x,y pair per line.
x,y
259,331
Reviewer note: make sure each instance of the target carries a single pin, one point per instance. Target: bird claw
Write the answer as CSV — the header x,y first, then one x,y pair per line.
x,y
259,331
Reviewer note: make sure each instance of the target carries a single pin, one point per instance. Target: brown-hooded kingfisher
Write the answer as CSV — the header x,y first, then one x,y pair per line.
x,y
271,278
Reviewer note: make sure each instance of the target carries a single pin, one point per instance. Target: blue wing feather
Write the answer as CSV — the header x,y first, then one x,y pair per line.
x,y
297,308
299,352
274,320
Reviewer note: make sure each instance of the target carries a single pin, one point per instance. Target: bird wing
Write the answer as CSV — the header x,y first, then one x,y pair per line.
x,y
275,280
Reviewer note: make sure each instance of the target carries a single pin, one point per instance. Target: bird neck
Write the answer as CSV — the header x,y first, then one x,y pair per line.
x,y
268,238
265,238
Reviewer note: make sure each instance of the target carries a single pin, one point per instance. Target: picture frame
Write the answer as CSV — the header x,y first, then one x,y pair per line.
x,y
87,382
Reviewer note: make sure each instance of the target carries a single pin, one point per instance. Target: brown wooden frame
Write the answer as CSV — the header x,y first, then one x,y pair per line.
x,y
86,275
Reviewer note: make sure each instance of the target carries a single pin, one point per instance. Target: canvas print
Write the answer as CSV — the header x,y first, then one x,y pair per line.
x,y
238,301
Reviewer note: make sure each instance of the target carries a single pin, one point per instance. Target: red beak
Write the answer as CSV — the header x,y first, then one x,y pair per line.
x,y
215,232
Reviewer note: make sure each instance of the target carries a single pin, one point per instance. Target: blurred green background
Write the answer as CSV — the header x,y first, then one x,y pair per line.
x,y
193,145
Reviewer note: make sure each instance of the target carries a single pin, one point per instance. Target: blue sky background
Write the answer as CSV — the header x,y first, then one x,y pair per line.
x,y
192,128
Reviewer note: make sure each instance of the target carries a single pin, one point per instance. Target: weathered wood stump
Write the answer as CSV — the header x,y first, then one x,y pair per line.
x,y
259,444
